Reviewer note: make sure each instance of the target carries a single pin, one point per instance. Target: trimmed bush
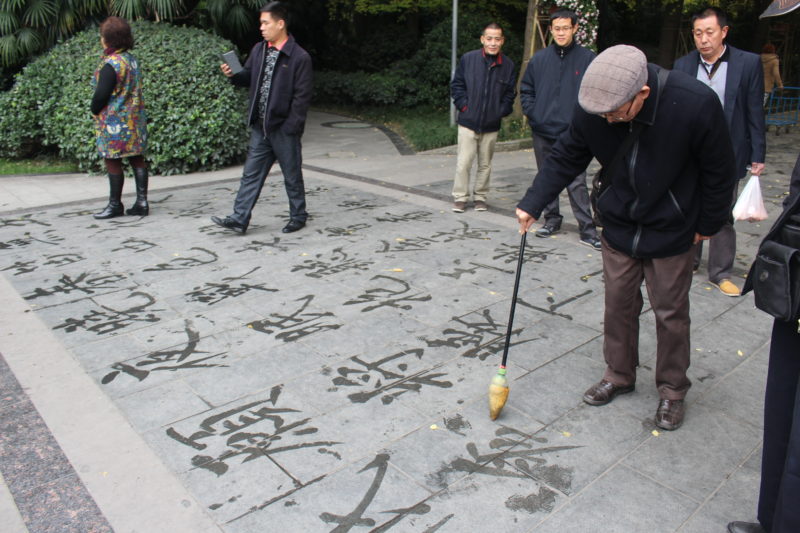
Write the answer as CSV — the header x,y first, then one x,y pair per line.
x,y
195,116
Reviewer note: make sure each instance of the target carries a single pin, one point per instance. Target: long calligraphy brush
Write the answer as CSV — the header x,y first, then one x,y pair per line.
x,y
498,389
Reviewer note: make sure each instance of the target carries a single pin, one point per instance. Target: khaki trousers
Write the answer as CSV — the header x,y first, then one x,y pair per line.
x,y
471,144
668,280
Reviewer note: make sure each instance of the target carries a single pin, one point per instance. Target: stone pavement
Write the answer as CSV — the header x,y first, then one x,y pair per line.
x,y
159,374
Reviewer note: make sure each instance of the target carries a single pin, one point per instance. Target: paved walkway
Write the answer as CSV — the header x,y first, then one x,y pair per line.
x,y
158,374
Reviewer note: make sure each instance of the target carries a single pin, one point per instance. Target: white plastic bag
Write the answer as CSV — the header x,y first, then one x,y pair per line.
x,y
750,205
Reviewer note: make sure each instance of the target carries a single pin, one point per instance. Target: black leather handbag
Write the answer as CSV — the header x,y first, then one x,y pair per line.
x,y
775,275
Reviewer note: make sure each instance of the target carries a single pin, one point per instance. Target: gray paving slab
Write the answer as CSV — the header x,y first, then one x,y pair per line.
x,y
337,377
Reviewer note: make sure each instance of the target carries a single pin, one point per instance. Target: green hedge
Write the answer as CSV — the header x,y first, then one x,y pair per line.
x,y
195,116
422,80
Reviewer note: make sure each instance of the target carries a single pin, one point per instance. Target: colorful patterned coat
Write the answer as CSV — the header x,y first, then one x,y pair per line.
x,y
121,127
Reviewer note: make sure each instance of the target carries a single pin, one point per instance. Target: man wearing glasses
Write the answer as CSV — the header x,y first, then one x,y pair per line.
x,y
737,78
669,190
548,92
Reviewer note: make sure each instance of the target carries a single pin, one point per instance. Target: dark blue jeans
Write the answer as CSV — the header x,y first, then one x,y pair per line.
x,y
261,155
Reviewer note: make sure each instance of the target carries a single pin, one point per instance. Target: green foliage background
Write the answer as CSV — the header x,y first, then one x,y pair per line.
x,y
421,80
195,116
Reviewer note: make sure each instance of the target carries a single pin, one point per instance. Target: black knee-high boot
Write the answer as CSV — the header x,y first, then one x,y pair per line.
x,y
141,207
114,207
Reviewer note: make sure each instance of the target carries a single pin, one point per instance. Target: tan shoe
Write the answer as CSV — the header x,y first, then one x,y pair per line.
x,y
480,205
459,207
727,288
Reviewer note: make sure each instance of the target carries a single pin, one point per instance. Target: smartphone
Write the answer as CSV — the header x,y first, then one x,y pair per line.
x,y
232,61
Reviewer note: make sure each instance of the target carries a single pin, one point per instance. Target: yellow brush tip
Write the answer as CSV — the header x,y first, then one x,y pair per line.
x,y
497,400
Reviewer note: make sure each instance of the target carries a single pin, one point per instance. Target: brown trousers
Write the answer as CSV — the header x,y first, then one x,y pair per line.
x,y
668,280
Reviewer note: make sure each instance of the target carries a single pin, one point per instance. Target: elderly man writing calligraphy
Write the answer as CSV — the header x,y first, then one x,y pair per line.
x,y
668,169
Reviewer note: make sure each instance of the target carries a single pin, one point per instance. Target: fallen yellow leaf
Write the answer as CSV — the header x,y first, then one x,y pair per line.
x,y
434,426
566,433
656,433
741,353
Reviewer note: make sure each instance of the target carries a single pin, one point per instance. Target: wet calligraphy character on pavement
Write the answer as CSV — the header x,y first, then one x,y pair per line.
x,y
86,283
172,360
387,377
135,245
212,293
485,336
203,257
108,320
356,518
338,261
298,324
386,296
413,216
510,455
24,220
255,430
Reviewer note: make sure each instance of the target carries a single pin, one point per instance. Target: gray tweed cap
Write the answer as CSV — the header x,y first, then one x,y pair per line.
x,y
613,78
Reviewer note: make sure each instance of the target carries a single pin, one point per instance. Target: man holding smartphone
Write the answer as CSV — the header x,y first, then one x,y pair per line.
x,y
279,76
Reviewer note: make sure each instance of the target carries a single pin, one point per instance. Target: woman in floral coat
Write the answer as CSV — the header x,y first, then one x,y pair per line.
x,y
119,116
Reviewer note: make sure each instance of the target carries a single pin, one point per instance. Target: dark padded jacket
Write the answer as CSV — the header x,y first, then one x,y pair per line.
x,y
676,180
549,89
483,90
290,92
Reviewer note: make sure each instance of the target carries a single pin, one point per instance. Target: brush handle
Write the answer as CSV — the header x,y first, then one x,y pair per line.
x,y
514,298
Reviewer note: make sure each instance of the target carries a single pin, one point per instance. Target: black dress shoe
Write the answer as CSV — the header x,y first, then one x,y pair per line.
x,y
229,223
605,391
293,226
669,414
745,527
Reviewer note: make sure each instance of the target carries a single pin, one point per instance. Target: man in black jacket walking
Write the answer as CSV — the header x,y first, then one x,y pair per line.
x,y
483,92
549,93
671,189
278,73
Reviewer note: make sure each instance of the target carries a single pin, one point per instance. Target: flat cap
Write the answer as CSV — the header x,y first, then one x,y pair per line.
x,y
613,78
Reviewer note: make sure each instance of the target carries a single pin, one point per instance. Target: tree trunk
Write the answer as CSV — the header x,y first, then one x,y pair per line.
x,y
532,43
670,30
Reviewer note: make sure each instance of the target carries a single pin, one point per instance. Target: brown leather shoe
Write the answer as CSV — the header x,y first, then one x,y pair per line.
x,y
605,391
669,414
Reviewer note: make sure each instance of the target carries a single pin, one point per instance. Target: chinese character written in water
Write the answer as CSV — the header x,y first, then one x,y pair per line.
x,y
484,336
473,269
21,267
298,324
87,283
108,320
387,377
413,216
465,232
135,245
339,261
356,518
384,296
170,360
211,293
257,246
512,455
24,220
255,430
204,257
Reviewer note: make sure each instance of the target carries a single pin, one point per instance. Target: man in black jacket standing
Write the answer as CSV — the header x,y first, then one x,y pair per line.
x,y
483,92
278,73
549,92
671,189
737,78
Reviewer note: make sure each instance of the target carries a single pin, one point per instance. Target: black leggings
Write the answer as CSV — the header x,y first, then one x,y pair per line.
x,y
114,166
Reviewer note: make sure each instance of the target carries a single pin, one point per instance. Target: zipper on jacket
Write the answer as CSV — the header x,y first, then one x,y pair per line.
x,y
632,180
485,99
